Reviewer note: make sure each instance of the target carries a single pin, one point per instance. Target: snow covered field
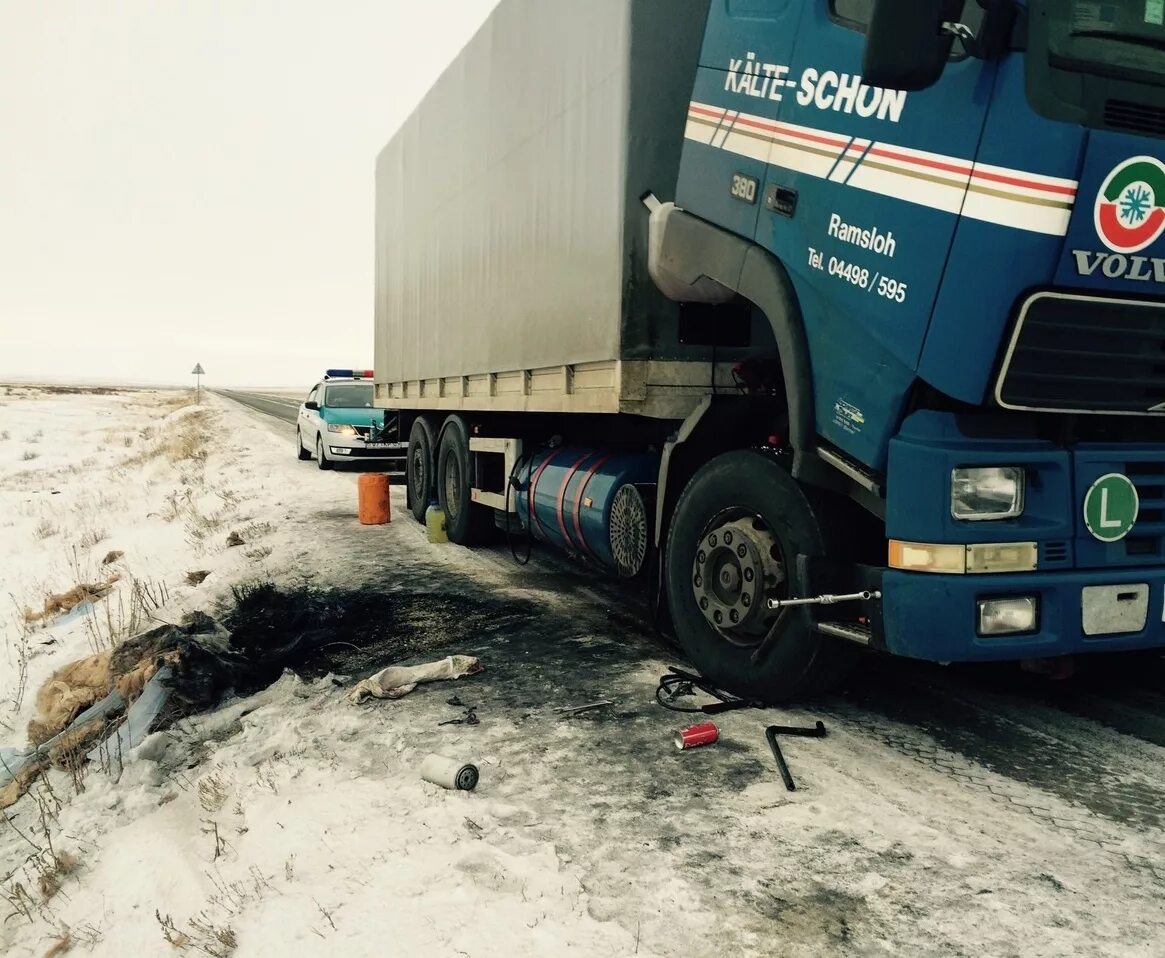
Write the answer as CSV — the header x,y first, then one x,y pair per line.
x,y
942,815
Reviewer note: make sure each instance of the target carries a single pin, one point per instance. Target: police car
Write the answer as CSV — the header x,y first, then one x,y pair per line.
x,y
339,423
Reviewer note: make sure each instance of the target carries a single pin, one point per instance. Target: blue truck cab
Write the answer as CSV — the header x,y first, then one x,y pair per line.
x,y
958,211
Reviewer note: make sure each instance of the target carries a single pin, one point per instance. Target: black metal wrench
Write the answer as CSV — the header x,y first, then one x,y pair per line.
x,y
771,733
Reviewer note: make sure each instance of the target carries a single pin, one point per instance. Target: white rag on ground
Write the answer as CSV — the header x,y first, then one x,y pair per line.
x,y
397,681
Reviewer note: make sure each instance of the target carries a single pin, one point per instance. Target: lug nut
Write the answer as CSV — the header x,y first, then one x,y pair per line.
x,y
734,615
712,540
701,557
728,538
741,551
748,575
746,600
699,582
704,602
718,616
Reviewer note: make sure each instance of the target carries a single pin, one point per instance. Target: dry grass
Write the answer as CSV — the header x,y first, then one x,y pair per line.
x,y
177,400
90,537
45,529
56,603
5,434
212,793
117,621
200,527
185,440
56,869
255,530
29,454
66,937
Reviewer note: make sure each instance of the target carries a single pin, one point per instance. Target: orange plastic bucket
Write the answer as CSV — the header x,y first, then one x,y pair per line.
x,y
375,508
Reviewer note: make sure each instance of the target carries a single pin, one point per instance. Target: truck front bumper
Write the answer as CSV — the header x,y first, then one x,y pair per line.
x,y
936,617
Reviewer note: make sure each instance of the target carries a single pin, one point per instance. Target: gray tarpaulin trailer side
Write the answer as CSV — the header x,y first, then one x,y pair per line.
x,y
511,240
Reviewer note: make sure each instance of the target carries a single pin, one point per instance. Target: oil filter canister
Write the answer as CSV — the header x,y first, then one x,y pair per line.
x,y
449,773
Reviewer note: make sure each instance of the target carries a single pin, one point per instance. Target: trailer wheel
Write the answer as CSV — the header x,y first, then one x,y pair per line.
x,y
466,522
736,531
419,468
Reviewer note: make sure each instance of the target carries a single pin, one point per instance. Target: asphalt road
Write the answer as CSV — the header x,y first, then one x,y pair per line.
x,y
285,409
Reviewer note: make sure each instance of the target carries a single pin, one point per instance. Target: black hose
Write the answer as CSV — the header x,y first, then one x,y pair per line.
x,y
512,484
680,683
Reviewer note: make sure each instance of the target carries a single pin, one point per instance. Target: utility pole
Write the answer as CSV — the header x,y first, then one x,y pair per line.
x,y
198,372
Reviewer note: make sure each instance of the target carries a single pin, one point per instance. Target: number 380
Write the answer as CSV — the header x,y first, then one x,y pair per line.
x,y
744,188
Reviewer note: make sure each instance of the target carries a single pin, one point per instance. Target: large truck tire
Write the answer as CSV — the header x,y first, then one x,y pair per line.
x,y
732,546
419,467
466,522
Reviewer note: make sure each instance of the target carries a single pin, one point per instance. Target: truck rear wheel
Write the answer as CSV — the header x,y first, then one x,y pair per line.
x,y
735,535
419,468
466,522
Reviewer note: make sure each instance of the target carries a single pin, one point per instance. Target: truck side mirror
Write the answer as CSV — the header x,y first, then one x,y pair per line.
x,y
312,405
908,42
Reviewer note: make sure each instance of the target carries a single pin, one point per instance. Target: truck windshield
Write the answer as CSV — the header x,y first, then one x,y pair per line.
x,y
1141,21
1107,36
349,396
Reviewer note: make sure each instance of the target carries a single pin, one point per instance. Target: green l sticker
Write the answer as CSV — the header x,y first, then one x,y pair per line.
x,y
1111,507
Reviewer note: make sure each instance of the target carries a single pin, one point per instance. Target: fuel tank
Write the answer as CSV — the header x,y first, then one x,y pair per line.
x,y
593,503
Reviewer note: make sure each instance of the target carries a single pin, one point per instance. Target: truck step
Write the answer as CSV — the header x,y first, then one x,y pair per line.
x,y
850,631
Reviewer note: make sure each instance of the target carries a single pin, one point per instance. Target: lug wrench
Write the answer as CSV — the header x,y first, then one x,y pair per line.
x,y
771,733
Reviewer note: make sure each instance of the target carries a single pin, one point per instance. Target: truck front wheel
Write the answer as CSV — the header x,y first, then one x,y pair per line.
x,y
735,535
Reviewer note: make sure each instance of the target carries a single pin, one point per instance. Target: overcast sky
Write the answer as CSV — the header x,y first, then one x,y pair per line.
x,y
191,181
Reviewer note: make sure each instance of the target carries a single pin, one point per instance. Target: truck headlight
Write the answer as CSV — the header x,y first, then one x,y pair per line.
x,y
1013,616
343,430
982,493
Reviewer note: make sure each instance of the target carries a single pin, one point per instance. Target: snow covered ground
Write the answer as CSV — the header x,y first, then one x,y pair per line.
x,y
941,815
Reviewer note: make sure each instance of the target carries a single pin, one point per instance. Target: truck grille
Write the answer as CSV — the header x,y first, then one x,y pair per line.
x,y
1086,354
1145,544
1140,118
1147,535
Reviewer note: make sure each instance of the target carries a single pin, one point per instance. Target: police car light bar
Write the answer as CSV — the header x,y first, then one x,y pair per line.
x,y
348,374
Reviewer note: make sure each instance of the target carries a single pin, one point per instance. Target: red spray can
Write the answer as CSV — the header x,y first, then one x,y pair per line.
x,y
703,734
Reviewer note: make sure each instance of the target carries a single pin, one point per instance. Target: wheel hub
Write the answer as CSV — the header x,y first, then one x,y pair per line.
x,y
737,569
417,471
452,486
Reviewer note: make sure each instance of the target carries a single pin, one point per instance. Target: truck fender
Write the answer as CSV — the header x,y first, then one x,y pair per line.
x,y
691,260
718,424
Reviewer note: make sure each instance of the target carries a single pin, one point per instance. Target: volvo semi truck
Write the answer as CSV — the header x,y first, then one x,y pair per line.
x,y
837,323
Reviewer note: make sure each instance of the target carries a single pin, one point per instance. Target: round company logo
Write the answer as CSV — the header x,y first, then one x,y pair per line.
x,y
1130,208
1111,507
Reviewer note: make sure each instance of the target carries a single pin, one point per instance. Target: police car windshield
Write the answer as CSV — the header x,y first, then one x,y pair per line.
x,y
349,396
